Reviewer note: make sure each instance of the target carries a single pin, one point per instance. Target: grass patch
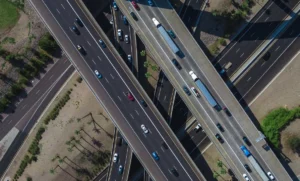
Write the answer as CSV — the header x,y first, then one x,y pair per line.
x,y
9,14
276,120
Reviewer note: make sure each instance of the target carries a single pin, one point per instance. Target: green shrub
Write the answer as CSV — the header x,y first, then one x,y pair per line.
x,y
79,80
222,41
29,179
48,43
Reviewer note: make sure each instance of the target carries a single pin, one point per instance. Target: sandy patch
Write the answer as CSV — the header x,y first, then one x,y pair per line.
x,y
76,114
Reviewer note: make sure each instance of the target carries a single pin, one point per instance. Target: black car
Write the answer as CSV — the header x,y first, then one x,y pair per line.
x,y
267,56
218,136
79,22
164,145
247,168
227,111
174,172
119,141
75,30
133,16
247,141
220,127
174,61
186,90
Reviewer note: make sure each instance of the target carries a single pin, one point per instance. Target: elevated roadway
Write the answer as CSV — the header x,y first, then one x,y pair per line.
x,y
111,90
237,125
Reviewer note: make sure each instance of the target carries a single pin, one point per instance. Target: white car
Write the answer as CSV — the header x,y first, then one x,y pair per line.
x,y
193,75
144,129
246,177
116,156
126,39
198,127
120,34
195,92
271,176
129,58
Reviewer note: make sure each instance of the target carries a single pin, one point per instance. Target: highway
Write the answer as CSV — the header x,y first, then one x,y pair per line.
x,y
254,80
235,125
111,90
256,32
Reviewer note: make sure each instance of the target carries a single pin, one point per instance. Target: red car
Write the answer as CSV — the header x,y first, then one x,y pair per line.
x,y
130,97
135,5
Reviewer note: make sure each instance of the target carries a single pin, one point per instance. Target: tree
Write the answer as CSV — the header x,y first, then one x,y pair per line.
x,y
147,64
52,171
294,143
48,43
154,67
143,53
148,75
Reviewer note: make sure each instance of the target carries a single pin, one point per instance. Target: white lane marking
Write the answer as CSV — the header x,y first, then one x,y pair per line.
x,y
62,6
57,11
124,94
37,91
112,76
266,19
89,43
256,39
263,64
137,112
291,32
238,50
119,98
249,79
50,77
165,98
24,106
99,58
9,121
131,116
270,24
197,1
252,34
106,80
277,48
93,61
242,55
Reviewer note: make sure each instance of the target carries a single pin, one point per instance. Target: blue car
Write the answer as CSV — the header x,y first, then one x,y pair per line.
x,y
115,6
120,171
125,20
150,3
155,156
98,74
102,43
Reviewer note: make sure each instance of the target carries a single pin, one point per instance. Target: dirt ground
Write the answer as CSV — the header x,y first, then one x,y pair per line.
x,y
212,156
283,92
73,116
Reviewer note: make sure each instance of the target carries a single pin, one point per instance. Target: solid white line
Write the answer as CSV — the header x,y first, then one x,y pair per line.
x,y
93,61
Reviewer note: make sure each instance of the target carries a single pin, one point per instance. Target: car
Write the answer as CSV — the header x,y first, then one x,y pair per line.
x,y
227,111
155,156
75,30
195,92
146,131
143,103
79,22
102,43
220,127
218,136
230,172
246,140
81,50
247,168
133,16
134,4
193,75
267,56
120,170
119,141
150,3
98,74
126,39
115,6
171,33
174,172
164,145
174,61
116,156
125,20
120,34
129,58
246,177
198,128
186,90
130,97
271,176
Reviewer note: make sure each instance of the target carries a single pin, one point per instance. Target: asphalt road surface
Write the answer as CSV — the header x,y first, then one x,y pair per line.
x,y
111,90
234,131
281,52
256,32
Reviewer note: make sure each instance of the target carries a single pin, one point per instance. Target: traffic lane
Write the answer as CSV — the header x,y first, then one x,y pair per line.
x,y
108,103
257,34
193,11
103,175
235,151
180,162
33,96
245,85
88,61
191,140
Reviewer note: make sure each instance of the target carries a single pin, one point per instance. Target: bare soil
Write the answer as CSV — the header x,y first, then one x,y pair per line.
x,y
76,114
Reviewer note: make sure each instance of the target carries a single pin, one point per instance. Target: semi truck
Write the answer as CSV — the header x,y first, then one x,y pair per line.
x,y
166,37
204,90
254,163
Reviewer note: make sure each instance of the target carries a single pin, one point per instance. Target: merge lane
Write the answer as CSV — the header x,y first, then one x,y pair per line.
x,y
257,32
167,160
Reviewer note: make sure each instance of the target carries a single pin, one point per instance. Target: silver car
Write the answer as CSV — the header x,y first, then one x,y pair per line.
x,y
146,131
120,34
126,39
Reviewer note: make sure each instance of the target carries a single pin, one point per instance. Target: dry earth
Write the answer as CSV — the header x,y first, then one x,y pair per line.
x,y
73,116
